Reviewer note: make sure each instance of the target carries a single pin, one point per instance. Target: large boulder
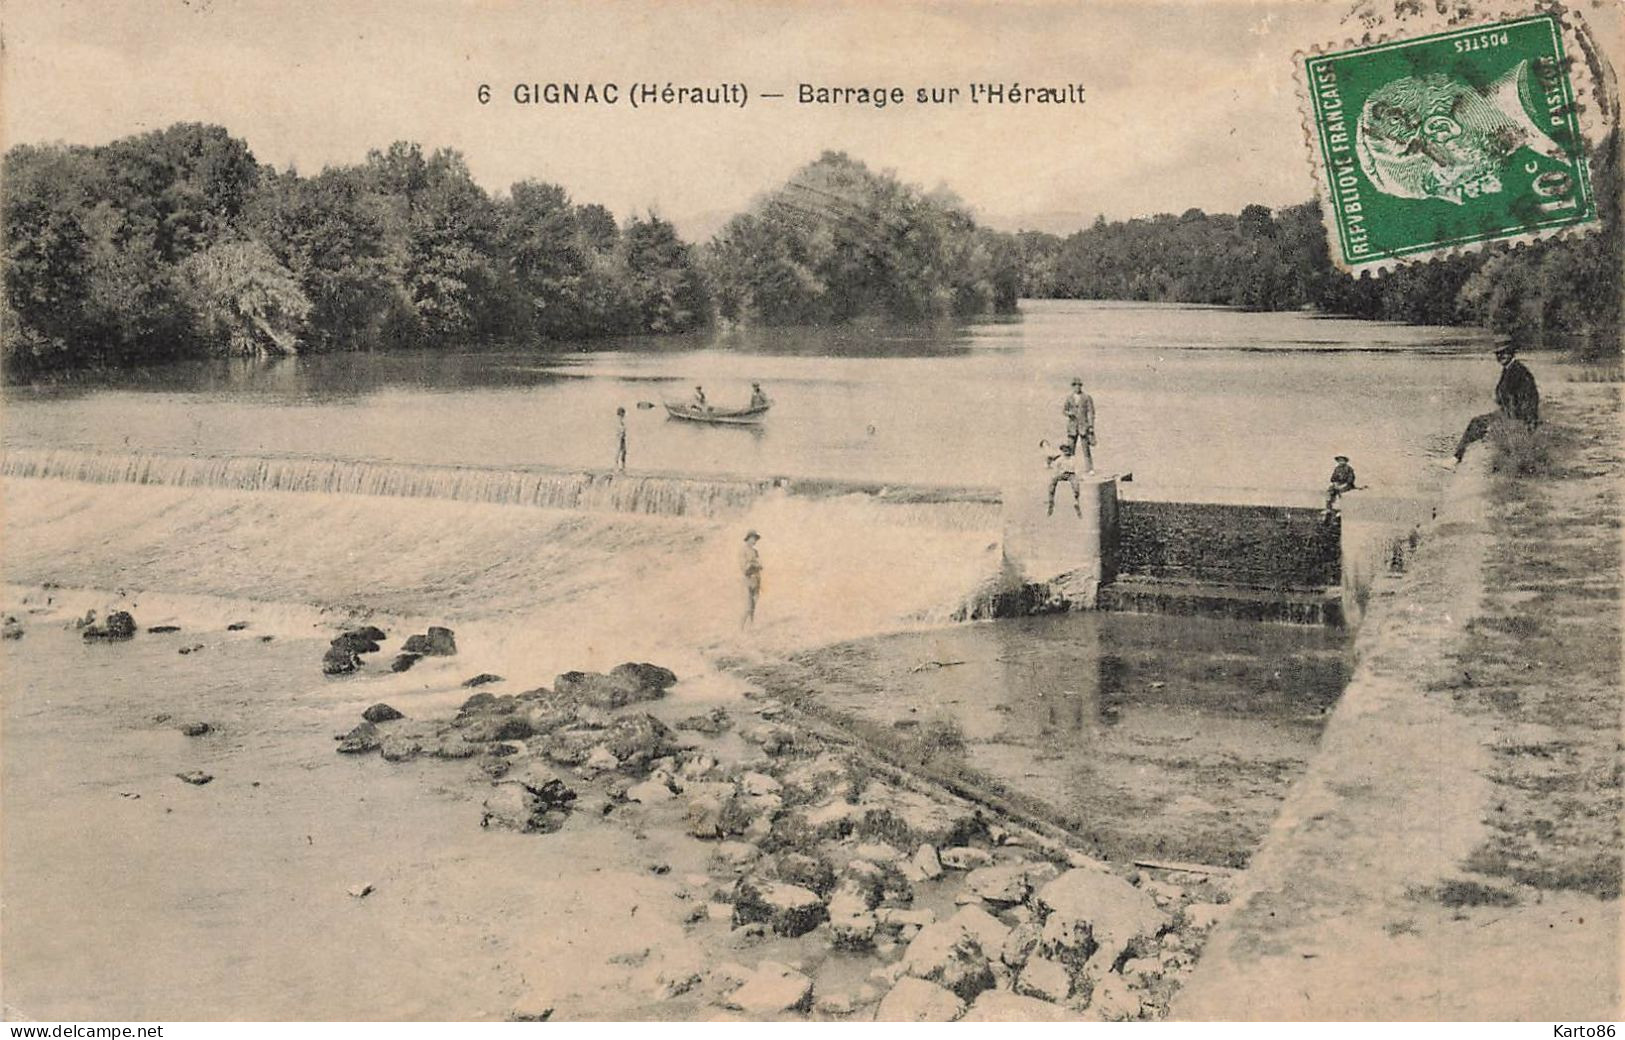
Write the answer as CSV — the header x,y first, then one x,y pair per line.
x,y
1005,884
339,661
381,712
1000,1006
988,931
438,642
1114,1000
915,1000
644,676
355,643
625,684
534,801
1096,915
789,910
1046,979
637,740
936,821
400,748
947,954
118,625
773,988
714,811
491,728
808,871
363,738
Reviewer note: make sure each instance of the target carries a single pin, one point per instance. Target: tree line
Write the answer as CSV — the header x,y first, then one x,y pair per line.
x,y
1562,292
178,243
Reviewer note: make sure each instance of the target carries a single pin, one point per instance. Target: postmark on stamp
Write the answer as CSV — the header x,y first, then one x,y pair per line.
x,y
1447,141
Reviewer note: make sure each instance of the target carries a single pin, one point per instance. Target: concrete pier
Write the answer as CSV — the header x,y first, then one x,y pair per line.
x,y
1074,553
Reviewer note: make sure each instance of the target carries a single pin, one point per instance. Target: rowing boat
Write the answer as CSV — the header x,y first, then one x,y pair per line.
x,y
720,416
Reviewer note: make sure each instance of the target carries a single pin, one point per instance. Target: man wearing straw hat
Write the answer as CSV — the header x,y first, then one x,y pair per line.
x,y
750,563
1342,482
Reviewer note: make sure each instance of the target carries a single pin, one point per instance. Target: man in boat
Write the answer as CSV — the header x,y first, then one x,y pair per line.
x,y
750,563
699,400
1062,467
1516,400
1342,481
620,449
758,397
1079,409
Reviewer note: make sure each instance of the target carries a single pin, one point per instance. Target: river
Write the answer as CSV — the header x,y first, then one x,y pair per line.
x,y
400,476
1197,402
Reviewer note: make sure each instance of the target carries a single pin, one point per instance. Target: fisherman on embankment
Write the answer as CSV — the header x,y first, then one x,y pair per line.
x,y
1342,481
750,564
1079,409
1516,400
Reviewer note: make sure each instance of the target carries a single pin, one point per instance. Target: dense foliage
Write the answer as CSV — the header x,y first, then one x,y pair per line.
x,y
177,243
1563,292
839,241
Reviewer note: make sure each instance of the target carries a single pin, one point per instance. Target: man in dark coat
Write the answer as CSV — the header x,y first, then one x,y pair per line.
x,y
1516,399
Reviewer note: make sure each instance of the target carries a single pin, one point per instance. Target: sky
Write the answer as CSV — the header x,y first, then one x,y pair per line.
x,y
1187,102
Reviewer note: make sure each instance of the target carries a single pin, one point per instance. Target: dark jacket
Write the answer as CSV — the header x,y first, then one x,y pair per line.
x,y
1516,395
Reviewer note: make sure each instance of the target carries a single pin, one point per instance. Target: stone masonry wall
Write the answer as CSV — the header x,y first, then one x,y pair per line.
x,y
1274,547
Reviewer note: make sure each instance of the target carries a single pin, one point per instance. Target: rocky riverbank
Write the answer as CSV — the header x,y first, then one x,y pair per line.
x,y
609,845
831,891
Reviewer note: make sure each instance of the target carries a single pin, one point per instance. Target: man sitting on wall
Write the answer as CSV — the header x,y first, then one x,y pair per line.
x,y
1342,481
1516,399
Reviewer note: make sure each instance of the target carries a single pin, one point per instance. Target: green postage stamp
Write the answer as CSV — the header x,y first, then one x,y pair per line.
x,y
1447,141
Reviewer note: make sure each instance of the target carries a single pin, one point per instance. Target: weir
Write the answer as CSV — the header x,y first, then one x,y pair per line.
x,y
1247,562
1252,562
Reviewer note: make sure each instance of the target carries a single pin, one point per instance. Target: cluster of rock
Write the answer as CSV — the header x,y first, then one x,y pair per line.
x,y
344,653
963,918
523,739
118,625
437,642
1028,938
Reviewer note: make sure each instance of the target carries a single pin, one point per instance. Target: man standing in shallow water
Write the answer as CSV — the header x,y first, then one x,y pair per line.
x,y
620,448
750,563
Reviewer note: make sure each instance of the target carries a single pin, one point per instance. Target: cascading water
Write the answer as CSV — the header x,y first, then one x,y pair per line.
x,y
563,570
553,489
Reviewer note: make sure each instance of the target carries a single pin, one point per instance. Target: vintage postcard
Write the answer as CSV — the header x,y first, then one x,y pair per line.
x,y
809,511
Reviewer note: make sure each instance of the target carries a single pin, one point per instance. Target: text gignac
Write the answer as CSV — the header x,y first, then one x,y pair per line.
x,y
641,94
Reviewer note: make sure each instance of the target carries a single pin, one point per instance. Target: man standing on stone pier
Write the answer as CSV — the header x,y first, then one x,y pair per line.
x,y
1516,399
1079,409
